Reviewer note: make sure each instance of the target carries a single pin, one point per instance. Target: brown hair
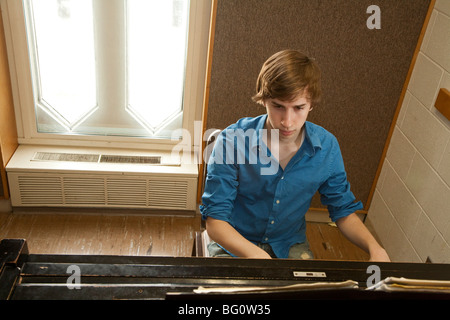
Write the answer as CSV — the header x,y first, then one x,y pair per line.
x,y
285,75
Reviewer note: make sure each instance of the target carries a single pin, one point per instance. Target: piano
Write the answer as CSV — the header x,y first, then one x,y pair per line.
x,y
26,276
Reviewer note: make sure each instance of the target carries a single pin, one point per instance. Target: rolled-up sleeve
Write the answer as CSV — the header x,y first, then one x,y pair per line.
x,y
221,185
335,192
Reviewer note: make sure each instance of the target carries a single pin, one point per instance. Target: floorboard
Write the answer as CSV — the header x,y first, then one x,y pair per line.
x,y
140,235
328,243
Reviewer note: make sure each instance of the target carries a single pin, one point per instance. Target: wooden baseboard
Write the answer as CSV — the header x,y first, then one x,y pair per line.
x,y
5,205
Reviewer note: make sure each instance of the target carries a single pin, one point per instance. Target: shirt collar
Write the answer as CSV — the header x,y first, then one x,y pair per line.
x,y
257,137
311,141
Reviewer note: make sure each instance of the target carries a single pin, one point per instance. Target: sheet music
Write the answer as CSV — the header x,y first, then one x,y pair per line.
x,y
404,284
349,284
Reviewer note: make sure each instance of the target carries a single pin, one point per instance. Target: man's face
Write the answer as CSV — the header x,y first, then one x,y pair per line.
x,y
287,116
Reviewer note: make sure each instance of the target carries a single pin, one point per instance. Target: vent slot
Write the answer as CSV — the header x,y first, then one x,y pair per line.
x,y
130,159
168,193
86,191
104,158
74,157
122,192
40,190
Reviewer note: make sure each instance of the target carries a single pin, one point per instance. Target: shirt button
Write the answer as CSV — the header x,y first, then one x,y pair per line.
x,y
265,239
272,222
278,201
282,178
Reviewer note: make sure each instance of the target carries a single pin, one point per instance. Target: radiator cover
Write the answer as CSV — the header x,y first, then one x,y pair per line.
x,y
69,183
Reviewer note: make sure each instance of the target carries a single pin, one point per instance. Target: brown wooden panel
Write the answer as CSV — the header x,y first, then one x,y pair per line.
x,y
364,70
8,131
443,102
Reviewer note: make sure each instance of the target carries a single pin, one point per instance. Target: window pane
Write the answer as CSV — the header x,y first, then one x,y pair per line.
x,y
64,60
110,68
157,34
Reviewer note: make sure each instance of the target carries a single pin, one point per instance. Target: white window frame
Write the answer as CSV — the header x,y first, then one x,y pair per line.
x,y
24,102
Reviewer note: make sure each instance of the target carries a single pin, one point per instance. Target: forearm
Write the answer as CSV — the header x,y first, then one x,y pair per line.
x,y
224,234
355,230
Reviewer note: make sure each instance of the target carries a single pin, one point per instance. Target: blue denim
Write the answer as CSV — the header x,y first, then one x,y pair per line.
x,y
297,251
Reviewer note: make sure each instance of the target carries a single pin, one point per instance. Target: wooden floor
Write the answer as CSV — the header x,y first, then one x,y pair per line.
x,y
140,235
328,243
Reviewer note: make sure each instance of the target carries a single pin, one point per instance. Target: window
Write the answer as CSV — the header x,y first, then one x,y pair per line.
x,y
101,70
61,35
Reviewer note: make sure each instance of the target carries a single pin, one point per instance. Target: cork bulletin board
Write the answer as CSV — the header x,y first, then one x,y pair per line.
x,y
363,70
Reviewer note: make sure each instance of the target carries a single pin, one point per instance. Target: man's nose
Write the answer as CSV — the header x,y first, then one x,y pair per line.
x,y
286,121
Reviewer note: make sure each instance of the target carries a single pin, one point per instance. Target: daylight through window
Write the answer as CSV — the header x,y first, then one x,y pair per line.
x,y
110,68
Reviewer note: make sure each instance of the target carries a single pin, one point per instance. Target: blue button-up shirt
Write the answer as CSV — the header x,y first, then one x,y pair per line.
x,y
246,186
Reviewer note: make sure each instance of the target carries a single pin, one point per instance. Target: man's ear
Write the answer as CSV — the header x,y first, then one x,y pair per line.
x,y
263,103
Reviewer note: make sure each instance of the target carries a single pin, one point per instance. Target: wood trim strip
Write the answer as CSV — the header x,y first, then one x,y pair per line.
x,y
400,102
443,102
206,94
4,181
8,129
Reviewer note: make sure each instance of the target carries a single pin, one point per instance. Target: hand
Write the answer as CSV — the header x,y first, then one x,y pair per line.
x,y
222,232
353,228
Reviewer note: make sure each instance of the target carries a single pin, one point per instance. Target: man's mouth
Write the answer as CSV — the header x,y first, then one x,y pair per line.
x,y
287,133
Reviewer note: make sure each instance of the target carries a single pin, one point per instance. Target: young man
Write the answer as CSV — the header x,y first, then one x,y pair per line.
x,y
264,171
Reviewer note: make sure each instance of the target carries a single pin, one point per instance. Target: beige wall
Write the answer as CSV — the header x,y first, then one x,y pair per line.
x,y
410,211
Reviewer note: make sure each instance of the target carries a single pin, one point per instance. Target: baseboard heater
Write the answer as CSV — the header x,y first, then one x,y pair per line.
x,y
47,176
